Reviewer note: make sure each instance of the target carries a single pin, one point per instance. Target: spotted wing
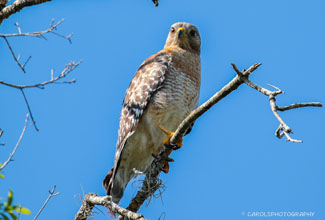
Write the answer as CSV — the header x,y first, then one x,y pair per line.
x,y
147,81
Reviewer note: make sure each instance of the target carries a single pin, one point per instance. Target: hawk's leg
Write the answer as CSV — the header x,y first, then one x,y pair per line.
x,y
166,141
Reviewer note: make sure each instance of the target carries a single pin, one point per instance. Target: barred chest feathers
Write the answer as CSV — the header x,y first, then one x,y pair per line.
x,y
180,92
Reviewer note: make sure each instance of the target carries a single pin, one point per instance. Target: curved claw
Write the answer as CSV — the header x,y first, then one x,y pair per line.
x,y
173,147
166,165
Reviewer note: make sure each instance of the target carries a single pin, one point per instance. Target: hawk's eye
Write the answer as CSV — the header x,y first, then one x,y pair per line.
x,y
193,33
172,30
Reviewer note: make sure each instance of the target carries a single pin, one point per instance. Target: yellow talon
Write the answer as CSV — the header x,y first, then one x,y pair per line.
x,y
166,141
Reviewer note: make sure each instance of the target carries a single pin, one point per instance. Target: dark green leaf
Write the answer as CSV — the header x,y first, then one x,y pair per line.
x,y
10,197
4,216
13,216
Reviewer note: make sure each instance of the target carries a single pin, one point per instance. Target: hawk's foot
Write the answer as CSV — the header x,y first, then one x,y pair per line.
x,y
166,141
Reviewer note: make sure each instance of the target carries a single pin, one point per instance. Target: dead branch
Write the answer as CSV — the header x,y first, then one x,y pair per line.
x,y
16,6
51,29
283,129
17,145
21,66
299,105
39,34
67,69
51,194
92,199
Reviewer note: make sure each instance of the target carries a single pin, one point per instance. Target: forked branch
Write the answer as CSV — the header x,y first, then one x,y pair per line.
x,y
92,199
40,34
52,193
53,80
283,129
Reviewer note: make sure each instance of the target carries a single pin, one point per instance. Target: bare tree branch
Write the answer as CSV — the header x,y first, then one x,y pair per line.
x,y
22,67
17,6
283,129
299,105
16,147
39,34
51,29
51,194
67,69
92,199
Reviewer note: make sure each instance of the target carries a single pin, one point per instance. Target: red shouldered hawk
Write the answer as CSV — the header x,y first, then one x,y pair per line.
x,y
164,90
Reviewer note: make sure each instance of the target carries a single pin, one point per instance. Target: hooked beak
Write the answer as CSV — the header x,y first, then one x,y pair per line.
x,y
181,32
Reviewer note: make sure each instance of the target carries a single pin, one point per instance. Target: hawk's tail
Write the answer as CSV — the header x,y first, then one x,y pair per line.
x,y
114,185
107,182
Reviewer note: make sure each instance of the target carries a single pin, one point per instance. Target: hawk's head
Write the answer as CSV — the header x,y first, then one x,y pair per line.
x,y
184,35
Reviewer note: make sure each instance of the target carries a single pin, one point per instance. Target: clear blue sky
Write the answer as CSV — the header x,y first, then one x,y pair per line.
x,y
229,164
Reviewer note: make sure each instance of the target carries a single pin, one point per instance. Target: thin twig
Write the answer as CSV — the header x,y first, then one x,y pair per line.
x,y
22,67
18,27
92,199
299,105
18,213
16,147
29,110
283,129
1,133
51,194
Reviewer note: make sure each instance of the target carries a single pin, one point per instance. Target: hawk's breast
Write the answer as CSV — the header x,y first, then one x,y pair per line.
x,y
177,97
